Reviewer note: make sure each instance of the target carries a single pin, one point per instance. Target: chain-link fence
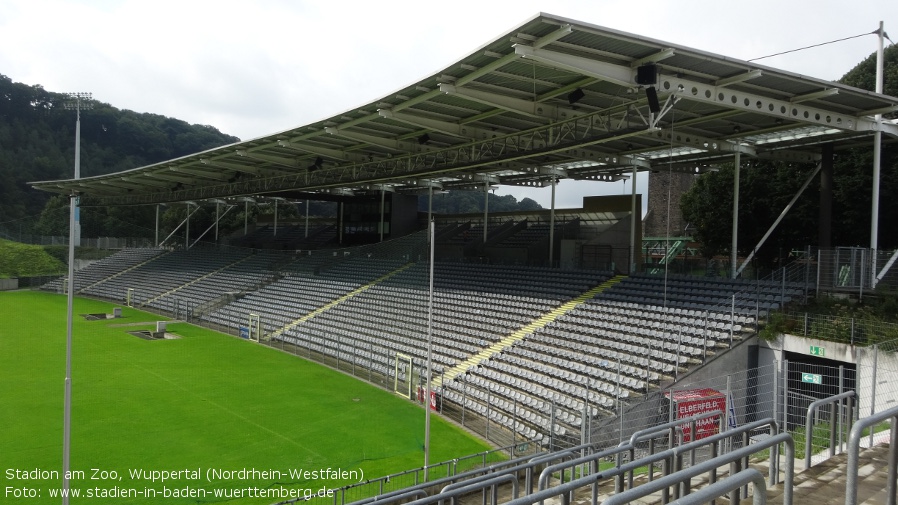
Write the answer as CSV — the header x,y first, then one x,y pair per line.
x,y
856,270
848,329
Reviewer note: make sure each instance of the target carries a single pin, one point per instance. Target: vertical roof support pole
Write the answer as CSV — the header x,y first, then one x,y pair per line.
x,y
486,208
632,267
734,245
877,154
552,225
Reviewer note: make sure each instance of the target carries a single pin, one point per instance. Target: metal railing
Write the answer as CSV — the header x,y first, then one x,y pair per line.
x,y
854,444
736,459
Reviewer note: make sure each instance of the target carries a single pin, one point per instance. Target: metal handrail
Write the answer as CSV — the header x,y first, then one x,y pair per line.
x,y
735,456
854,446
809,422
728,485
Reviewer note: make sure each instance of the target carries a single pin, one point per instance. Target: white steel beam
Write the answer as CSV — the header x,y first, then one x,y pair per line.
x,y
653,58
707,93
609,72
521,106
267,158
814,95
734,79
370,139
231,166
452,129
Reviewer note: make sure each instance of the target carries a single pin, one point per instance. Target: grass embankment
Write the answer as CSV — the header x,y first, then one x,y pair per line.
x,y
23,260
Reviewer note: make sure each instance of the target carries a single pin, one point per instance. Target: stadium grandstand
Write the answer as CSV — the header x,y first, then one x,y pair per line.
x,y
559,335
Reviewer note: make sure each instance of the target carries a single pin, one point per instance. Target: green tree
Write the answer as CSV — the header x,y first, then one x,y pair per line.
x,y
766,188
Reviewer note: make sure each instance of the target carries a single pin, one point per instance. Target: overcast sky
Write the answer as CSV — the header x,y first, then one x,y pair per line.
x,y
253,68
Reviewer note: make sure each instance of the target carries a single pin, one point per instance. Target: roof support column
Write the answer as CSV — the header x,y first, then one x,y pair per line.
x,y
382,193
486,208
217,217
340,225
632,267
430,203
156,241
307,219
245,217
778,219
187,229
877,154
275,218
825,217
734,244
552,225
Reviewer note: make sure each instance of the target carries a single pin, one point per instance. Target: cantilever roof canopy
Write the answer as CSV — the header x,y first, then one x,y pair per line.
x,y
553,98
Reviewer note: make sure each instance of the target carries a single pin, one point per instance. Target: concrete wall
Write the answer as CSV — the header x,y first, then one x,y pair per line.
x,y
874,369
657,218
9,284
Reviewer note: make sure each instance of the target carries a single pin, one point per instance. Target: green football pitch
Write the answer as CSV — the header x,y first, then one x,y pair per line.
x,y
204,413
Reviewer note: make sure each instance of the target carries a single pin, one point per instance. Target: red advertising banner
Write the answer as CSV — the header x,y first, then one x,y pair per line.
x,y
698,401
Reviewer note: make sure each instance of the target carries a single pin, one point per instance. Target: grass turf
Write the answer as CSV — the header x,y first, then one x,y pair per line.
x,y
204,401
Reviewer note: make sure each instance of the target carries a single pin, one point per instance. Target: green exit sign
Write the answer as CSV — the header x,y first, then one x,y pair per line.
x,y
817,351
812,378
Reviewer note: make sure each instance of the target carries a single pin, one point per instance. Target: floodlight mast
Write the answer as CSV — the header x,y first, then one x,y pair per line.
x,y
67,405
78,102
431,232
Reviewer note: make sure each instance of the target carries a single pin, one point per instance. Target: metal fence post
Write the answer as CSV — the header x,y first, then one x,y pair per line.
x,y
464,398
705,339
785,395
774,451
732,319
488,403
872,389
783,290
807,273
819,266
805,334
841,417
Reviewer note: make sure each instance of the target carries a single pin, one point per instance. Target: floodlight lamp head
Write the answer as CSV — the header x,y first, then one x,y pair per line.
x,y
79,100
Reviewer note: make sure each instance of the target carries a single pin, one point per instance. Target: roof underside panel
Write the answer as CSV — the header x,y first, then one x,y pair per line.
x,y
552,98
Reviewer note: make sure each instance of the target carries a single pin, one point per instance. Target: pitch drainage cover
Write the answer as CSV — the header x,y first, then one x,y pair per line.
x,y
153,335
97,317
